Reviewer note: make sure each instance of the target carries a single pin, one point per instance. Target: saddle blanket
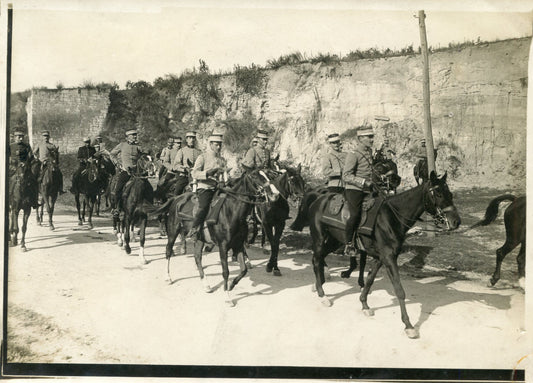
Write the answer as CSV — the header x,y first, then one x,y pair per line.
x,y
337,213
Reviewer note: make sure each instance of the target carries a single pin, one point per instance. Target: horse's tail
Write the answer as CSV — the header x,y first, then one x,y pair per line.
x,y
492,210
163,209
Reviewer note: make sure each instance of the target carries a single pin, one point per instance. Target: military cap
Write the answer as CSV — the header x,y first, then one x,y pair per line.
x,y
262,134
86,139
334,137
190,134
131,131
177,139
215,138
45,133
18,133
365,131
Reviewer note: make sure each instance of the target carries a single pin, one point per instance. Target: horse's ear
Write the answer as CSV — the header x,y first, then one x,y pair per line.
x,y
443,179
299,168
433,177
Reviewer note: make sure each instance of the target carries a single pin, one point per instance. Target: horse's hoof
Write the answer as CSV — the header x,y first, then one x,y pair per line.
x,y
522,283
411,333
143,262
23,248
345,274
52,227
115,231
80,223
208,289
327,274
368,312
325,301
230,303
313,288
127,249
249,265
90,226
490,283
277,273
268,268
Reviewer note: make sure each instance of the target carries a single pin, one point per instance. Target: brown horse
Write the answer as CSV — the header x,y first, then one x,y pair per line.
x,y
515,233
228,229
48,189
23,195
395,216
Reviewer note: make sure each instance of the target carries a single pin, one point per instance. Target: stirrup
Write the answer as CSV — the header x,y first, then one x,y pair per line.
x,y
349,250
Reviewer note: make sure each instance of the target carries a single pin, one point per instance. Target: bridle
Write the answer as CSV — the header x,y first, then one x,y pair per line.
x,y
436,212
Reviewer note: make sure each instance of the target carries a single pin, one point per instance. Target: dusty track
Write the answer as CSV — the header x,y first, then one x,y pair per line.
x,y
83,300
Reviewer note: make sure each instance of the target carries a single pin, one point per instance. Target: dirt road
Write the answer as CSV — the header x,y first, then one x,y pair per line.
x,y
76,297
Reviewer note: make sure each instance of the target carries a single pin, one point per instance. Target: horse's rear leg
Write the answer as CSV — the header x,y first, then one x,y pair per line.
x,y
126,226
274,241
91,201
162,225
318,268
14,227
173,232
49,211
507,247
353,265
198,247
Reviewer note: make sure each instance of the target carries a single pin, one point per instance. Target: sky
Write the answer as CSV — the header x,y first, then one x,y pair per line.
x,y
75,42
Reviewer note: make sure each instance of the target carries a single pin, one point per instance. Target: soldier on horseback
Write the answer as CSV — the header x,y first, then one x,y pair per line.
x,y
126,154
357,177
258,157
19,152
47,153
210,170
166,156
333,163
85,155
184,161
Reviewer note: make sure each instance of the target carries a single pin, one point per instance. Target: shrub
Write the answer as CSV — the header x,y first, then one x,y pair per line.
x,y
249,79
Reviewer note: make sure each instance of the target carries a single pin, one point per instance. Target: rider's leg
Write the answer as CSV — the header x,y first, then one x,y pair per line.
x,y
354,198
204,200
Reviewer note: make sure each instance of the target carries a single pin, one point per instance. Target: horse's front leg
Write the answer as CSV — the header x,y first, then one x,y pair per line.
x,y
240,254
25,217
90,206
49,212
52,208
394,275
78,208
278,230
142,238
223,252
126,227
268,232
369,281
14,227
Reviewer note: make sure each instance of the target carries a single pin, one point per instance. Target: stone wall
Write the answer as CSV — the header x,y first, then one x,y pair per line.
x,y
69,115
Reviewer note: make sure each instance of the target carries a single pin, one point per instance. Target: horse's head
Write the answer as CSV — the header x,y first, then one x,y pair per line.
x,y
146,165
438,201
295,184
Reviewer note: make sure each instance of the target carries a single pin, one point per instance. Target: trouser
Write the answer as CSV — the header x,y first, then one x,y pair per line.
x,y
335,189
164,176
180,184
354,199
205,196
122,178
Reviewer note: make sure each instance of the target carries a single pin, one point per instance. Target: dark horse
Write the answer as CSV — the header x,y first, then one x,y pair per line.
x,y
23,194
90,183
396,215
49,184
273,214
385,173
515,233
228,229
136,200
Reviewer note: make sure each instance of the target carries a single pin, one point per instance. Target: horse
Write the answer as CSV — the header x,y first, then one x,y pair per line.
x,y
385,173
395,216
137,198
515,233
90,183
110,171
228,229
23,195
49,189
273,214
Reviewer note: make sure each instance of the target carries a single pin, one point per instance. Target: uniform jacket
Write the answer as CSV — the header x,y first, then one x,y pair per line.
x,y
20,152
357,168
84,152
257,158
167,155
332,165
46,151
185,159
205,162
126,154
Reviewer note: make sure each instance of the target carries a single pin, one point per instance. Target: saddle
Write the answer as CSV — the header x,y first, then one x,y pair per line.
x,y
186,210
337,213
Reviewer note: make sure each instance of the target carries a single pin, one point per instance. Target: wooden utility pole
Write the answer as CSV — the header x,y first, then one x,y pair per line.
x,y
427,112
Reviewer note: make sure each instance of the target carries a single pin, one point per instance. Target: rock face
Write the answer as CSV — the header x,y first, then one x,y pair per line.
x,y
478,109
